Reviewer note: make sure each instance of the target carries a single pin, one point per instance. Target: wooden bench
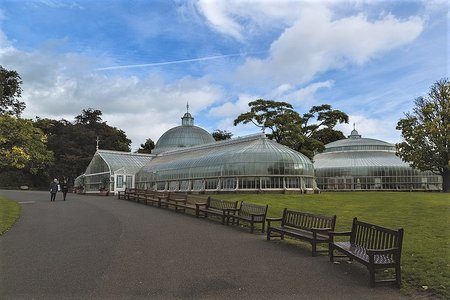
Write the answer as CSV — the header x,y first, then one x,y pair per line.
x,y
251,213
156,198
179,202
135,194
217,207
374,246
143,196
123,194
303,226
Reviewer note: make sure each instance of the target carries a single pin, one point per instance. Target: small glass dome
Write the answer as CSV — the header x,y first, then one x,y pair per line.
x,y
363,163
186,135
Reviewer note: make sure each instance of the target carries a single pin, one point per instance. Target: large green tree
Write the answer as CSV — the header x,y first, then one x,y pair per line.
x,y
305,133
10,92
426,133
22,146
74,143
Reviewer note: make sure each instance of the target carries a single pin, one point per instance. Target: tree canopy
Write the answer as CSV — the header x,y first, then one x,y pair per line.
x,y
221,135
10,92
307,133
426,133
147,147
22,145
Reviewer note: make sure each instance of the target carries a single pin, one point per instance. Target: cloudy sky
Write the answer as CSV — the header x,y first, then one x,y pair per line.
x,y
139,62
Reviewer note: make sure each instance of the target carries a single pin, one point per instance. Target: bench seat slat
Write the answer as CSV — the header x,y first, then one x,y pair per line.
x,y
304,226
358,251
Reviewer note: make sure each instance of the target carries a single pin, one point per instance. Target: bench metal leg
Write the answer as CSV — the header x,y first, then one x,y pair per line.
x,y
268,234
314,249
331,252
398,275
372,276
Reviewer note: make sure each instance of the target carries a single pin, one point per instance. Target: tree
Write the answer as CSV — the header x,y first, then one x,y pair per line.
x,y
10,92
89,116
426,133
287,127
74,143
221,135
147,147
22,146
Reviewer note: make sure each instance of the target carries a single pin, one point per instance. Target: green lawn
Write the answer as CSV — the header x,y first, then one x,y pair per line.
x,y
9,212
425,218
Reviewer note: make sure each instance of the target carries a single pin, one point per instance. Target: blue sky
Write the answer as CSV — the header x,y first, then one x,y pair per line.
x,y
141,61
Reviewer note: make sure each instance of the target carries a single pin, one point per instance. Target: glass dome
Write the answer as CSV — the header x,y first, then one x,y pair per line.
x,y
247,163
363,163
186,135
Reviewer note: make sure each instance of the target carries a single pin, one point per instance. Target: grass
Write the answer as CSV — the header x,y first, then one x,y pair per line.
x,y
425,218
9,212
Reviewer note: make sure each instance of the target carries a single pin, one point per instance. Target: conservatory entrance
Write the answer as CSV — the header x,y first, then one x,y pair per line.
x,y
122,180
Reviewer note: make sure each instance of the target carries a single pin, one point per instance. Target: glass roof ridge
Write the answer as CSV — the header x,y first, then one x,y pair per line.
x,y
125,153
233,141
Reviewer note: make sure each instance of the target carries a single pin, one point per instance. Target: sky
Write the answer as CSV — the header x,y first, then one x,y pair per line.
x,y
140,62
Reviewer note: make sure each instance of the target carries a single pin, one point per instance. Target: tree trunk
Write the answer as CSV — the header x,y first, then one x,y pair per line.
x,y
446,181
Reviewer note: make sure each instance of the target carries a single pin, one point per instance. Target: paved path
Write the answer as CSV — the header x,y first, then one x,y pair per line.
x,y
100,247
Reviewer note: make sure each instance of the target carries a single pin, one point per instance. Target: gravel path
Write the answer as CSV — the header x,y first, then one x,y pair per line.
x,y
94,247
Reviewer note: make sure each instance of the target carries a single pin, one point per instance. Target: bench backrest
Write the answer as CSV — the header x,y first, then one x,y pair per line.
x,y
306,221
375,237
248,209
220,204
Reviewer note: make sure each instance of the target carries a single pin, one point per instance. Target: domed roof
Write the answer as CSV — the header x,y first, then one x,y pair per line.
x,y
254,155
356,151
356,142
186,135
353,159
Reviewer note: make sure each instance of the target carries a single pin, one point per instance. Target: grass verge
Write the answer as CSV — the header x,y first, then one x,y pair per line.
x,y
9,212
425,218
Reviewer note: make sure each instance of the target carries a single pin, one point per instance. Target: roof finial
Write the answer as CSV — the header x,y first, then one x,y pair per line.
x,y
354,126
187,106
97,140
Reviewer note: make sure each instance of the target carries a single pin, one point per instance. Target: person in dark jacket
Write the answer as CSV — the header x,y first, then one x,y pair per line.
x,y
53,189
64,188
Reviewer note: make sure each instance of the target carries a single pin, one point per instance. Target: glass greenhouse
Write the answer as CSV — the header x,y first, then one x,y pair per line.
x,y
247,163
112,171
360,163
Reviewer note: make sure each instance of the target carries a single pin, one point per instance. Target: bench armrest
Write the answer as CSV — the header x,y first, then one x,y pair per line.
x,y
273,220
332,234
372,252
200,204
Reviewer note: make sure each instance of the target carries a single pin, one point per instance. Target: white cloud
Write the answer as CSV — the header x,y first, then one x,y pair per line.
x,y
232,109
317,43
61,85
375,128
303,96
243,18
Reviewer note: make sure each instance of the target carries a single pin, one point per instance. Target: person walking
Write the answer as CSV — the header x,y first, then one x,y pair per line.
x,y
53,189
64,188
